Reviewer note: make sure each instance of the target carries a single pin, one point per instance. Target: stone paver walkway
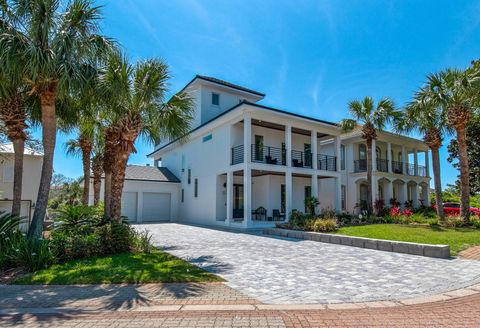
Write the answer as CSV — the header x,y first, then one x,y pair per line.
x,y
472,253
283,271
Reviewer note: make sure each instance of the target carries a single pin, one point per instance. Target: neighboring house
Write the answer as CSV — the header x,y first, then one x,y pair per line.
x,y
150,194
32,170
246,165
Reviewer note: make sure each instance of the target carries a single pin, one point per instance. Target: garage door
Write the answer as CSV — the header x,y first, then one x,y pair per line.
x,y
156,207
129,206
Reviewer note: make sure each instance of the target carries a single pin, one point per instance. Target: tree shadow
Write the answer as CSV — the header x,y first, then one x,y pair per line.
x,y
210,264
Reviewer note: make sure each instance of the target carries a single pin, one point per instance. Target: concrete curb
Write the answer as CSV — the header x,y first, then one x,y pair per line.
x,y
447,296
437,251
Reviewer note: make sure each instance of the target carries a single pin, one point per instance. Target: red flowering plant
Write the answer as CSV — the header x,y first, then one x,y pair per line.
x,y
407,212
395,211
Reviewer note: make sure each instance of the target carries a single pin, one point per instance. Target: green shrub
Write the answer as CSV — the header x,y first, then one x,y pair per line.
x,y
78,219
8,224
454,222
298,220
324,225
116,238
66,246
30,254
433,222
475,221
311,204
143,241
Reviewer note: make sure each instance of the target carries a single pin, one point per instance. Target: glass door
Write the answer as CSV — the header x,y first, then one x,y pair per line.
x,y
238,201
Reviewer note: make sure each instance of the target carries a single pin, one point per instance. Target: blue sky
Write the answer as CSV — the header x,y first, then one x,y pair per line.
x,y
309,57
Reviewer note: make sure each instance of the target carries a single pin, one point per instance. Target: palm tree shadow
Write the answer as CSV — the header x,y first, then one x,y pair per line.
x,y
210,264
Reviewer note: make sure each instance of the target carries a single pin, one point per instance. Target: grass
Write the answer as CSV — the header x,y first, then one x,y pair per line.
x,y
120,268
458,238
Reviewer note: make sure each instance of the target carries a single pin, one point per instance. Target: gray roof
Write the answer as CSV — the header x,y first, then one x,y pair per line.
x,y
224,83
149,173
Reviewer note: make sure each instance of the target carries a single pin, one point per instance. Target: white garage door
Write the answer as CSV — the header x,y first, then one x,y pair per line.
x,y
129,206
156,206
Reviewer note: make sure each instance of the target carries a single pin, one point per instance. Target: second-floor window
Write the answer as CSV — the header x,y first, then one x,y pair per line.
x,y
362,152
215,99
195,191
342,157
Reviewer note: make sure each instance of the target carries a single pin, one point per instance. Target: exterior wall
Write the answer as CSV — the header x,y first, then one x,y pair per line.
x,y
141,186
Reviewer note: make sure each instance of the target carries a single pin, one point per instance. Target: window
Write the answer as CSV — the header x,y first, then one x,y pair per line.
x,y
308,193
215,99
282,198
195,189
7,173
258,148
183,195
378,152
307,148
362,152
189,176
344,198
207,138
342,157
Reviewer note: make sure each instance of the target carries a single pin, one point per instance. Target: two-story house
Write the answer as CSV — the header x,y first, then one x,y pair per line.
x,y
246,165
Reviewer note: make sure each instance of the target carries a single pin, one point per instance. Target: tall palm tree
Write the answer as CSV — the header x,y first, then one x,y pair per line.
x,y
454,91
97,170
55,51
421,116
139,110
373,118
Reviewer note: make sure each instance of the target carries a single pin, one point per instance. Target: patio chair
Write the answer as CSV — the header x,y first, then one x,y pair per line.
x,y
297,163
277,216
270,160
260,214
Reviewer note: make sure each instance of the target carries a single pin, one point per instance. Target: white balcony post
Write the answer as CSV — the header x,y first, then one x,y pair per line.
x,y
288,193
313,142
415,162
338,144
374,155
404,161
229,197
389,157
288,144
427,164
247,138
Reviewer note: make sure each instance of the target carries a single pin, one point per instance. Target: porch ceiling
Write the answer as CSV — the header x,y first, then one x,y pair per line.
x,y
259,173
279,127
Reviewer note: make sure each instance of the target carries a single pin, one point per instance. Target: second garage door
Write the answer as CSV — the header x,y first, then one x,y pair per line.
x,y
156,207
129,206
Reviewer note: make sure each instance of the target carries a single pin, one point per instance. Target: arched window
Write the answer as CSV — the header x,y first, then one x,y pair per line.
x,y
378,152
362,152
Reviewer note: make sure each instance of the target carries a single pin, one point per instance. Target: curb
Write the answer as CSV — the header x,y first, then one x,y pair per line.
x,y
447,296
437,251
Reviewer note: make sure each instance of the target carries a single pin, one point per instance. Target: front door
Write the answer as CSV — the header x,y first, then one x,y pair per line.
x,y
238,201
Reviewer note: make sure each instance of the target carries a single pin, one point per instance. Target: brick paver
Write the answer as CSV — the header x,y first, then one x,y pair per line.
x,y
459,312
472,253
285,271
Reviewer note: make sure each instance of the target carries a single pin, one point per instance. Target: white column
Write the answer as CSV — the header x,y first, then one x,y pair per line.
x,y
314,142
404,195
338,144
288,193
389,157
288,144
338,194
374,155
229,197
404,160
247,138
427,164
415,161
247,195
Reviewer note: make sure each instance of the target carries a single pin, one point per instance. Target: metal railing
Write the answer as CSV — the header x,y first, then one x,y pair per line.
x,y
237,155
421,171
397,167
301,159
411,169
360,165
268,155
327,162
382,165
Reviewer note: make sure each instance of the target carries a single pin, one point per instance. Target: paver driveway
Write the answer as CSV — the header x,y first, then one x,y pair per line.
x,y
283,271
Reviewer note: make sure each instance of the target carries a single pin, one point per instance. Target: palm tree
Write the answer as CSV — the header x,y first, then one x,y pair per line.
x,y
13,113
97,170
55,51
454,91
372,118
139,109
430,121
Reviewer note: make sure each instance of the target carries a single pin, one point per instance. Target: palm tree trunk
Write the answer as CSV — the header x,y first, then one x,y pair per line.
x,y
437,183
97,181
49,134
86,147
118,179
464,173
369,176
107,193
18,148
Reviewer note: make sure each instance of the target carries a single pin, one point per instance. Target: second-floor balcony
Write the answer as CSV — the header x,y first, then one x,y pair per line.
x,y
278,156
360,165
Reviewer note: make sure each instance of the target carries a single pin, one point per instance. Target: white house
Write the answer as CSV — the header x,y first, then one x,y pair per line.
x,y
32,170
246,165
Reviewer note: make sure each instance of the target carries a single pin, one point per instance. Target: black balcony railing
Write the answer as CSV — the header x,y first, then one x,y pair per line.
x,y
411,170
268,155
382,165
421,171
327,162
237,155
360,165
397,167
301,159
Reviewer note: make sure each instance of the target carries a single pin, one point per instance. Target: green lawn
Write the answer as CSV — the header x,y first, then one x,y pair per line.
x,y
121,268
458,239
